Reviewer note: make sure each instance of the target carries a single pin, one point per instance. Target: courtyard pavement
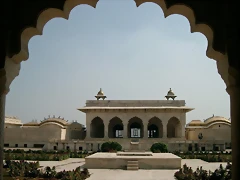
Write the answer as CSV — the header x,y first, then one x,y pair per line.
x,y
109,174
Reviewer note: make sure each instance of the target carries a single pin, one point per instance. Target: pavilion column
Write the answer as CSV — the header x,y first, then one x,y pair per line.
x,y
183,122
2,116
125,129
88,132
145,130
164,130
106,124
234,92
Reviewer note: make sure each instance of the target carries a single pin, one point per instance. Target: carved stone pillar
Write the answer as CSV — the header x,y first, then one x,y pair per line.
x,y
2,115
234,93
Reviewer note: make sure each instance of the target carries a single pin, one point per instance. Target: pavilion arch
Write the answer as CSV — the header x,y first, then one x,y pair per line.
x,y
174,128
155,128
135,128
97,128
115,128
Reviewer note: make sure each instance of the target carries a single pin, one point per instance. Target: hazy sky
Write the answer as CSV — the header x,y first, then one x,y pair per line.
x,y
131,53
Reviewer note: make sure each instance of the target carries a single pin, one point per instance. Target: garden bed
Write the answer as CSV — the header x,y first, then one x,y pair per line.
x,y
206,156
42,155
187,173
32,170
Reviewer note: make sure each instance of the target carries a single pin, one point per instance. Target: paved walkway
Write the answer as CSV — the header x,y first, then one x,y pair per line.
x,y
107,174
67,165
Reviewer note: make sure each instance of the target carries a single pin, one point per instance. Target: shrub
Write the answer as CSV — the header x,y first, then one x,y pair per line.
x,y
159,148
42,155
111,147
25,170
186,173
75,174
209,157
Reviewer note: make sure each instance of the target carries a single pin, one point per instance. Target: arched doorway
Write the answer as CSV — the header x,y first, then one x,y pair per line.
x,y
115,128
97,128
155,128
135,128
153,131
174,128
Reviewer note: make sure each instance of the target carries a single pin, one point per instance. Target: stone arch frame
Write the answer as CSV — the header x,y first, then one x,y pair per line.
x,y
135,122
174,128
47,11
219,16
157,122
97,128
115,124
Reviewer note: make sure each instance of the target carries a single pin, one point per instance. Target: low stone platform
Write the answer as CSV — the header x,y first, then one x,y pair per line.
x,y
146,160
134,153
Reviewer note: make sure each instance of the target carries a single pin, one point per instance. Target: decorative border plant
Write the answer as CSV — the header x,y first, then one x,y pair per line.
x,y
206,156
31,170
159,148
43,155
186,173
111,146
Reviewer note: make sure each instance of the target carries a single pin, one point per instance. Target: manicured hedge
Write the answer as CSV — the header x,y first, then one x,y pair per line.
x,y
111,146
159,148
206,156
31,170
187,173
42,155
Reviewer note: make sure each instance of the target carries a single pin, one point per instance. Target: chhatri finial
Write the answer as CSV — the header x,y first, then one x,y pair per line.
x,y
100,95
170,95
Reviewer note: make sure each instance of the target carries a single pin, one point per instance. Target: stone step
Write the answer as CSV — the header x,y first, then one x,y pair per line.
x,y
132,168
134,150
132,165
133,162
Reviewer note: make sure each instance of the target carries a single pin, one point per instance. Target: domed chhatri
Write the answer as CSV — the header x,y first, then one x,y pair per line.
x,y
170,95
100,95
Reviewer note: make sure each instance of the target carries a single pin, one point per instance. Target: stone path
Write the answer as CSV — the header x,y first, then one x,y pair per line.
x,y
107,174
67,165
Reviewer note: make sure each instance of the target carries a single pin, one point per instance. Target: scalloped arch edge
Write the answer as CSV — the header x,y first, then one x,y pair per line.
x,y
51,13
